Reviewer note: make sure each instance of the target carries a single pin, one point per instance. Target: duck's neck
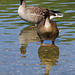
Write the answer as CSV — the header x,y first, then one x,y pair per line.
x,y
47,22
48,19
23,2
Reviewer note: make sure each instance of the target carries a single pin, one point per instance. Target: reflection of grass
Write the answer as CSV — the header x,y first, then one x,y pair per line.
x,y
3,26
71,32
67,39
9,41
8,1
7,33
67,35
11,28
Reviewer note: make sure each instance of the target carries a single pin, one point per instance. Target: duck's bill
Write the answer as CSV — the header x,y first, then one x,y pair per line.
x,y
59,15
56,15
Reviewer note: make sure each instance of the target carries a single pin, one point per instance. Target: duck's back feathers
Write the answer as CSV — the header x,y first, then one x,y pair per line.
x,y
36,10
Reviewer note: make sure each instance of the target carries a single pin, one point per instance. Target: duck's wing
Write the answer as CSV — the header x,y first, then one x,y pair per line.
x,y
35,10
40,10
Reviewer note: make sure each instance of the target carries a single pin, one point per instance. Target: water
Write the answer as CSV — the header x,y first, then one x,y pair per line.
x,y
20,52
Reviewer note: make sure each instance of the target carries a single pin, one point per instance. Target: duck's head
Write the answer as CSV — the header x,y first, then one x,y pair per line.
x,y
46,13
21,2
52,14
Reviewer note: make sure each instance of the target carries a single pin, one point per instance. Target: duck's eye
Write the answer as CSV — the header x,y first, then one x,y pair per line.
x,y
43,13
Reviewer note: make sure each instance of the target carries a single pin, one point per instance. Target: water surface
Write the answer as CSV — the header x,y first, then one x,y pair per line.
x,y
20,52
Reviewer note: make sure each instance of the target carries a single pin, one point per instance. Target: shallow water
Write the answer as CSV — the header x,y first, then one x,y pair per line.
x,y
20,52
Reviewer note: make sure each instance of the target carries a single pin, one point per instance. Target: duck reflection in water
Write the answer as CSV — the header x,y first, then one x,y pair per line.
x,y
27,35
48,56
23,50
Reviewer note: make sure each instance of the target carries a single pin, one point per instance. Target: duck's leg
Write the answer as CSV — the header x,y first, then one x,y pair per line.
x,y
52,42
44,44
42,41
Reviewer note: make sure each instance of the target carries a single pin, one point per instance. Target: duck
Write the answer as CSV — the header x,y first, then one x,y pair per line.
x,y
32,14
47,29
